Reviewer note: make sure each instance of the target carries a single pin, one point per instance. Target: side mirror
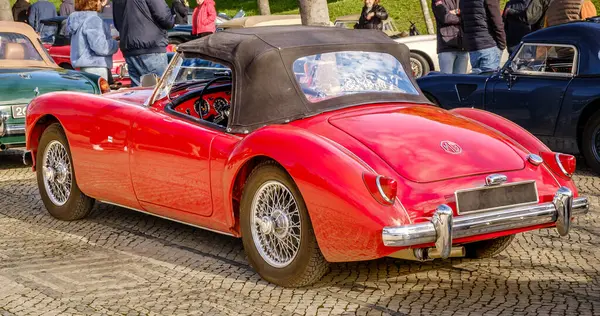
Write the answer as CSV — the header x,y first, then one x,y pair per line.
x,y
148,80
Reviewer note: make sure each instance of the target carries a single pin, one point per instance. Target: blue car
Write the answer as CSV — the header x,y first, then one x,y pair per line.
x,y
549,86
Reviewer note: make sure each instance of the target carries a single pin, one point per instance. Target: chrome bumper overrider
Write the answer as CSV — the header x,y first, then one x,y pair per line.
x,y
444,227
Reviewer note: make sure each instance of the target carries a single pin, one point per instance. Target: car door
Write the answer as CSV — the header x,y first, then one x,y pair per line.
x,y
170,163
530,89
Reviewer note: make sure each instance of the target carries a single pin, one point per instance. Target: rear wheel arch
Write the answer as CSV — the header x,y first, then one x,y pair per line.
x,y
588,111
240,179
33,139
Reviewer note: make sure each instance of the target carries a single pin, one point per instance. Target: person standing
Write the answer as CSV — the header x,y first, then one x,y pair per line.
x,y
66,7
143,25
451,54
92,47
179,8
483,33
515,26
564,11
20,10
372,16
41,10
203,18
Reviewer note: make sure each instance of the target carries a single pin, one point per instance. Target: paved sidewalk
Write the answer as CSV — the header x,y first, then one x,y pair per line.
x,y
126,263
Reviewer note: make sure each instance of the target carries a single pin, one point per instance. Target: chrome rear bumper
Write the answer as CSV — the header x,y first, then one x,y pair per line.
x,y
6,129
444,227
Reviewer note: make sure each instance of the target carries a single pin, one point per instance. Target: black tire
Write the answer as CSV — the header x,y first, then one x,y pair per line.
x,y
589,147
309,265
488,248
421,63
77,205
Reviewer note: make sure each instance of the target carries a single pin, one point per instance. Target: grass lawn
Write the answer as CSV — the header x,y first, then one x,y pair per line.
x,y
403,11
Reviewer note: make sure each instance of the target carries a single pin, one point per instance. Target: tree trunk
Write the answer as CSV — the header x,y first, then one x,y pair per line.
x,y
5,11
314,12
263,7
427,16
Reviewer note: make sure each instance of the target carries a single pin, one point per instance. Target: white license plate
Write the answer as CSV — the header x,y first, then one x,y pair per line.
x,y
19,111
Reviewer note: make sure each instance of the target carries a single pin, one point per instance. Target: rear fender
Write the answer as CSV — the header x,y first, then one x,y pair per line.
x,y
346,219
521,137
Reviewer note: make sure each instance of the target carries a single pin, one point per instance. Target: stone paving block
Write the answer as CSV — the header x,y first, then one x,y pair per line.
x,y
122,262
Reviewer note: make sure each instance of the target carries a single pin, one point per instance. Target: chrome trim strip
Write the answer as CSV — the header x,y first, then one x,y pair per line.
x,y
537,197
168,218
562,168
485,223
380,189
15,129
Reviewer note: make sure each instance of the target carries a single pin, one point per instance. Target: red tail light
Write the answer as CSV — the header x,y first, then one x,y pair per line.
x,y
566,163
382,188
561,164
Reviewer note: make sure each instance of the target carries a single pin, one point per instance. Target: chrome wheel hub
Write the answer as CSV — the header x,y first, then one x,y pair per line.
x,y
275,224
56,173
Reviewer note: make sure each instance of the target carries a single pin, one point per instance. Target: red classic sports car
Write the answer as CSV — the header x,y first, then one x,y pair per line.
x,y
311,144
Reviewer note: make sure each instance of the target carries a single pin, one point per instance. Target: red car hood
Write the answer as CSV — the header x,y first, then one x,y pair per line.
x,y
426,144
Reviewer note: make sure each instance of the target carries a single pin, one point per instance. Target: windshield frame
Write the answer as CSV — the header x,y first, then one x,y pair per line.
x,y
167,81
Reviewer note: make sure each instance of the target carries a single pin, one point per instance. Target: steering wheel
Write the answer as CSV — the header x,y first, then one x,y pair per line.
x,y
208,84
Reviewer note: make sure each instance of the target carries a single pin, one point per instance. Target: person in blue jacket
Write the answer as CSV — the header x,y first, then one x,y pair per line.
x,y
92,46
41,10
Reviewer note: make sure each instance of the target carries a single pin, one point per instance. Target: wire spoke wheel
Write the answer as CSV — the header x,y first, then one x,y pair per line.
x,y
416,67
275,224
57,173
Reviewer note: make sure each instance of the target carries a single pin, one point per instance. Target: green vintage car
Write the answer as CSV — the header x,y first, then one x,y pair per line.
x,y
26,71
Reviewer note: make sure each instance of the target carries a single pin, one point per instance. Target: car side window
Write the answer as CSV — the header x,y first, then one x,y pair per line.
x,y
545,60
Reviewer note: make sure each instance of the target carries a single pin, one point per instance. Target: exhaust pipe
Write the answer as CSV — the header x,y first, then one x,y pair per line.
x,y
426,254
27,159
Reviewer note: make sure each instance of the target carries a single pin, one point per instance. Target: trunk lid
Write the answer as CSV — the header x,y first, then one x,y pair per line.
x,y
18,86
427,144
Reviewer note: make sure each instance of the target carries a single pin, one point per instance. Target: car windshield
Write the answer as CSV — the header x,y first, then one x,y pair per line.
x,y
15,46
188,71
329,75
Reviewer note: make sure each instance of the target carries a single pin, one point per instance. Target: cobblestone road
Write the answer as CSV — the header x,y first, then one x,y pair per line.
x,y
123,262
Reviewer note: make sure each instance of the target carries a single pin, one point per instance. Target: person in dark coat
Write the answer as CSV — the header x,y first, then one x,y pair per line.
x,y
451,54
143,25
514,25
372,16
483,33
41,10
20,10
179,8
66,7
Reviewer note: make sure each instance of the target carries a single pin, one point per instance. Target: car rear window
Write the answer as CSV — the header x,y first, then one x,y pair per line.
x,y
330,75
15,46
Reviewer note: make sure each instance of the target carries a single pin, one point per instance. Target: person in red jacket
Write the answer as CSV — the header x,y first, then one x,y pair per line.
x,y
203,19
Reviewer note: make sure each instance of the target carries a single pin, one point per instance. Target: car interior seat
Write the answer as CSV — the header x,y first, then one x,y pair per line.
x,y
14,51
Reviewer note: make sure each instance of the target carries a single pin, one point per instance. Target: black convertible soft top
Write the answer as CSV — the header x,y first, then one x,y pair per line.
x,y
265,88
